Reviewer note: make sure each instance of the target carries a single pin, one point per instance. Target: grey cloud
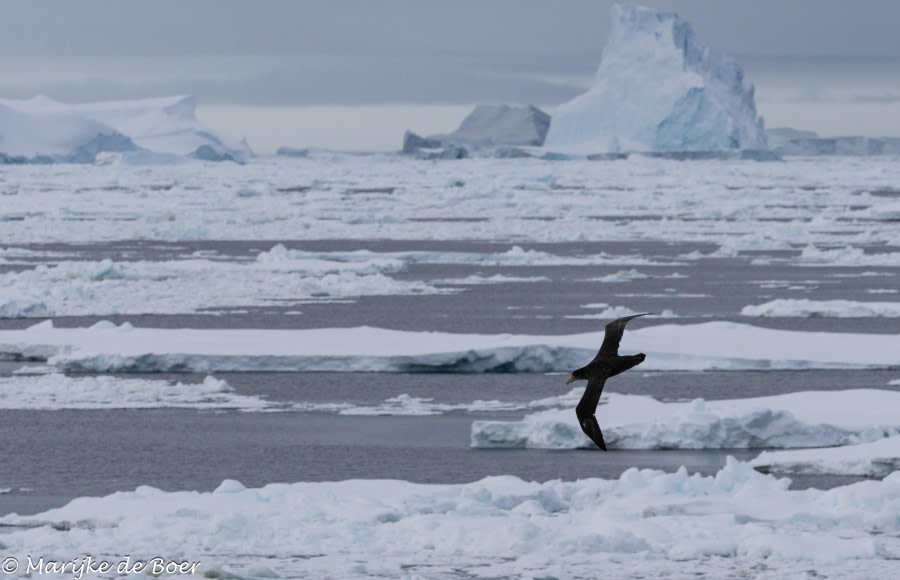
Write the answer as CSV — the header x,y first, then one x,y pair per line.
x,y
886,97
325,80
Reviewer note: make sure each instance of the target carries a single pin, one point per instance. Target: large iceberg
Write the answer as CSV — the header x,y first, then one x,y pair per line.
x,y
33,138
659,88
486,127
41,129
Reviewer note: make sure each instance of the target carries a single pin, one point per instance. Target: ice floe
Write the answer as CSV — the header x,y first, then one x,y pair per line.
x,y
805,308
646,522
406,404
847,256
800,419
608,312
873,459
710,345
56,391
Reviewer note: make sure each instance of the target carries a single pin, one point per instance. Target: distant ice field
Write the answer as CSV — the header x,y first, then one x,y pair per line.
x,y
828,202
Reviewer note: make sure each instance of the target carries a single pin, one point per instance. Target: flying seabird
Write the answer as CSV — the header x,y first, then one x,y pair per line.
x,y
606,364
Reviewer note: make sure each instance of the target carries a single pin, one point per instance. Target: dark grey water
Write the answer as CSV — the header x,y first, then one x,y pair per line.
x,y
50,457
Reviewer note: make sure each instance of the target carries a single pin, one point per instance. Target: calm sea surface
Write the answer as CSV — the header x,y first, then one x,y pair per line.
x,y
50,457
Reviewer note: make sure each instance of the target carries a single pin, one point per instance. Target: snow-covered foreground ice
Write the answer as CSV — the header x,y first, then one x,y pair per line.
x,y
736,523
806,308
105,347
56,391
800,419
873,459
837,208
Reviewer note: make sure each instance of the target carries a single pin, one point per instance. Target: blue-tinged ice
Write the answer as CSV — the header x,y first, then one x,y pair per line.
x,y
41,130
659,88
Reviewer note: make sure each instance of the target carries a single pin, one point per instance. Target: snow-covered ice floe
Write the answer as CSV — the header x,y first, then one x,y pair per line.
x,y
873,459
800,419
56,391
805,308
106,347
406,404
736,523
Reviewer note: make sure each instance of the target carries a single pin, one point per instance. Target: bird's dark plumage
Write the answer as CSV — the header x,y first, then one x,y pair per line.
x,y
606,364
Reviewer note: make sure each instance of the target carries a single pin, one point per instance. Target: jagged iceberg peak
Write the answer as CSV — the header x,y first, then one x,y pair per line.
x,y
658,88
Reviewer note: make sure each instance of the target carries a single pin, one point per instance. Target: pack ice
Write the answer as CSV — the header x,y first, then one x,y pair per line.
x,y
659,88
43,130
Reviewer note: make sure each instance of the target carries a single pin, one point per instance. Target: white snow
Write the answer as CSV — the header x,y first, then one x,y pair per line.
x,y
805,308
723,345
42,126
872,459
658,88
738,522
56,391
800,419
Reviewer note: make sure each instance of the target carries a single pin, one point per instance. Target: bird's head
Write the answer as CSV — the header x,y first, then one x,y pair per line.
x,y
577,375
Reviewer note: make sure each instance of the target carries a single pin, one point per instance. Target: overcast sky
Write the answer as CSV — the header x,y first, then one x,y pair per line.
x,y
354,74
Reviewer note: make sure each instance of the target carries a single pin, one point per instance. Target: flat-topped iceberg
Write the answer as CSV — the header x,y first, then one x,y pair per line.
x,y
659,88
710,345
41,129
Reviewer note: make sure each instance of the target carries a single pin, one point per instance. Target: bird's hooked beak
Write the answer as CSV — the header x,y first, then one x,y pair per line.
x,y
571,379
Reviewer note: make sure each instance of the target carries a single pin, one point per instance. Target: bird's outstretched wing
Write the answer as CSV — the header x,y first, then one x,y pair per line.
x,y
586,408
614,332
